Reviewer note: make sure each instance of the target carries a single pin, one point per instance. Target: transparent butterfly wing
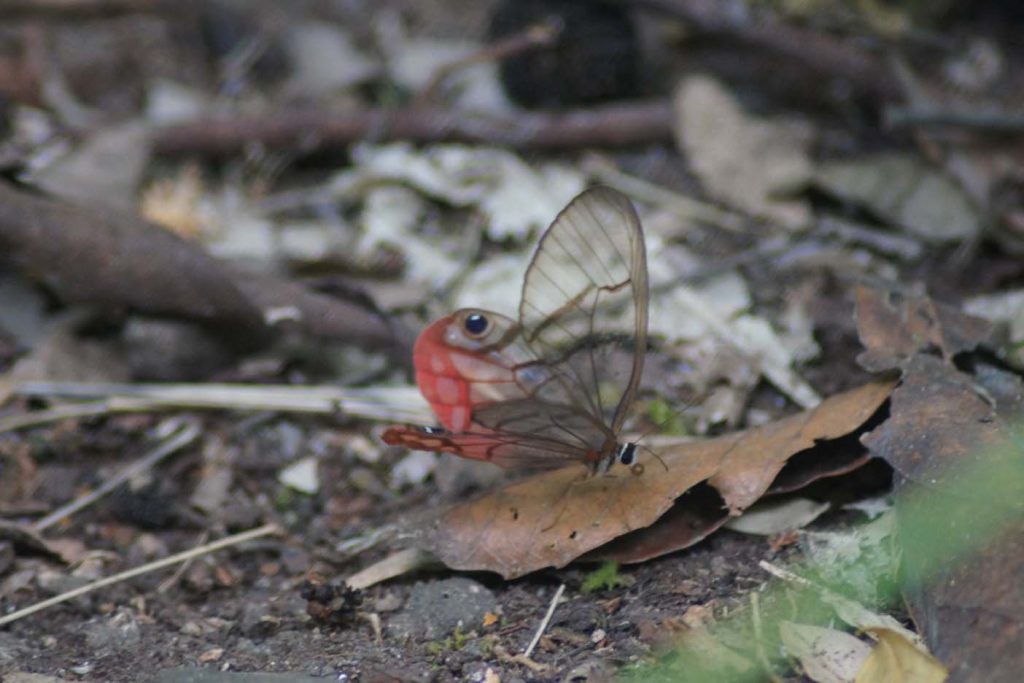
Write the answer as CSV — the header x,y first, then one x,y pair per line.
x,y
561,379
583,312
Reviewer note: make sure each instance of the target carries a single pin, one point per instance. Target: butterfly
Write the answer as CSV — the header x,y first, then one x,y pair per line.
x,y
554,386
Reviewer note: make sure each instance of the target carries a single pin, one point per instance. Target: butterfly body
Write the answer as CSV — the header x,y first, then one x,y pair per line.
x,y
532,392
456,370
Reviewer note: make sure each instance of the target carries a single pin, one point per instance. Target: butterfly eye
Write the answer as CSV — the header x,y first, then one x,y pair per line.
x,y
476,324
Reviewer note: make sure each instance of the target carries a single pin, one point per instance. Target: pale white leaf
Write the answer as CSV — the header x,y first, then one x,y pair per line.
x,y
826,655
302,475
769,517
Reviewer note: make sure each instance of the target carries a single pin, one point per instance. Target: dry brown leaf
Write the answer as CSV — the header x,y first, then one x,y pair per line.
x,y
701,511
894,659
953,438
695,515
28,538
942,418
743,160
555,517
894,326
971,609
749,465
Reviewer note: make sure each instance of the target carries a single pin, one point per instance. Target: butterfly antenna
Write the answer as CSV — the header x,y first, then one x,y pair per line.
x,y
659,425
568,487
655,455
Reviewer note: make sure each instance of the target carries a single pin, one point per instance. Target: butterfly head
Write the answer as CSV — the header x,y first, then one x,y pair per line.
x,y
474,329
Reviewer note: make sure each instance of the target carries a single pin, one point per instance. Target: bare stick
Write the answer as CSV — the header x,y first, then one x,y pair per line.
x,y
169,582
534,36
821,55
785,574
522,660
38,418
645,191
544,622
64,10
980,120
177,441
265,530
308,131
402,404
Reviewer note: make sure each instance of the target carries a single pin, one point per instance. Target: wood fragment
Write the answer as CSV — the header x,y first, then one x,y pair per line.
x,y
544,622
812,50
308,131
388,404
67,9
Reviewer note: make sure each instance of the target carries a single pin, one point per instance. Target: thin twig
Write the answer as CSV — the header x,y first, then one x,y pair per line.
x,y
64,10
532,37
37,418
544,622
309,131
169,582
905,248
979,120
402,404
819,54
177,441
646,191
522,660
265,530
785,574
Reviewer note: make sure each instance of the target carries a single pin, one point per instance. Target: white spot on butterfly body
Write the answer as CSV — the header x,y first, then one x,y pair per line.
x,y
626,453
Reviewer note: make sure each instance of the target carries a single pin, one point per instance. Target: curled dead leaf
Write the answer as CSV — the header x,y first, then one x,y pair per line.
x,y
953,437
552,518
894,326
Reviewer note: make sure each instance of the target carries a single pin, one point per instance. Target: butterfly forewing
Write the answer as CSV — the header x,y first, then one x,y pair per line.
x,y
583,311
